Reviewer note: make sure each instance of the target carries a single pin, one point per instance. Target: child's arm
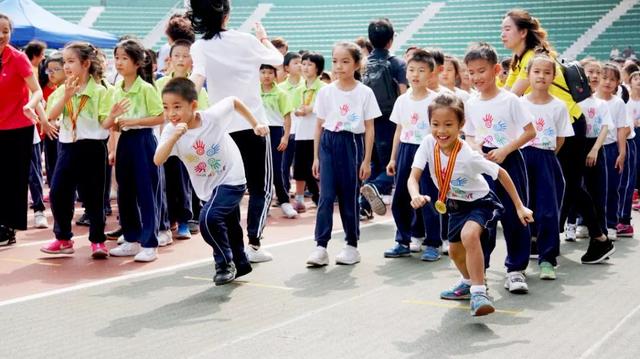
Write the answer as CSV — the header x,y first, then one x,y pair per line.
x,y
112,146
369,135
592,156
499,154
413,185
143,121
315,169
46,127
391,166
524,213
164,150
284,141
258,128
119,109
623,133
559,143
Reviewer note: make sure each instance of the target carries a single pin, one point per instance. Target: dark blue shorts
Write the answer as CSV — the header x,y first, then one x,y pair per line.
x,y
485,211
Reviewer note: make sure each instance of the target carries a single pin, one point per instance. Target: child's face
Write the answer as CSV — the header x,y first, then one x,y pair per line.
x,y
448,74
295,67
55,73
592,70
635,83
445,127
73,67
309,70
609,83
465,81
267,77
511,36
541,74
344,66
181,59
483,74
124,64
177,109
418,74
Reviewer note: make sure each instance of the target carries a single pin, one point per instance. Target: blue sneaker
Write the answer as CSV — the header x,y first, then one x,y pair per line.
x,y
460,292
183,231
397,251
431,254
481,305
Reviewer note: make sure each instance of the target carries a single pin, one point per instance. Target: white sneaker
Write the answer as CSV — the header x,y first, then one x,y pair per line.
x,y
40,220
516,282
349,255
445,247
165,238
570,232
612,234
126,249
582,232
146,255
288,211
416,244
257,255
319,257
120,239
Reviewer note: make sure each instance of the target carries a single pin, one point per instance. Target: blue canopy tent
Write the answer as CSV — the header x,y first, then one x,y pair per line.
x,y
31,21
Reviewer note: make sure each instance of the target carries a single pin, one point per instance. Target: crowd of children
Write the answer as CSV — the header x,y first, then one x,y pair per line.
x,y
470,142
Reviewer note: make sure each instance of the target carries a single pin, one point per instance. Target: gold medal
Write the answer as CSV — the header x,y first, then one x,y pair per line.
x,y
444,177
441,207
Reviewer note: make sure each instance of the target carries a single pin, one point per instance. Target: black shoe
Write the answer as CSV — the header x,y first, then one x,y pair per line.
x,y
365,214
598,251
108,211
114,235
534,250
194,227
83,221
7,236
243,270
224,274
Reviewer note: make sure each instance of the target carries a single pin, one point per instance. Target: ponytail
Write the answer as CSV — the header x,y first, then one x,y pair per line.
x,y
137,53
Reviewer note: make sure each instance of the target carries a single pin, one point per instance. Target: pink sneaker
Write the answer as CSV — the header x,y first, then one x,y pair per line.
x,y
99,251
624,230
58,247
300,207
636,207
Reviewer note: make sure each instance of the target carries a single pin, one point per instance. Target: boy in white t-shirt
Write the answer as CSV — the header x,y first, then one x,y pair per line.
x,y
215,167
633,112
465,195
498,124
412,126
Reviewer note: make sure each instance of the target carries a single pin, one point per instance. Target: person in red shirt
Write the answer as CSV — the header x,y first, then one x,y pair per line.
x,y
17,115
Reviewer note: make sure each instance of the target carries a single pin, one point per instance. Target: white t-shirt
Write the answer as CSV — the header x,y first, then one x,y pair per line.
x,y
413,116
462,94
618,114
596,114
36,135
467,183
496,122
346,110
633,112
231,65
208,152
551,120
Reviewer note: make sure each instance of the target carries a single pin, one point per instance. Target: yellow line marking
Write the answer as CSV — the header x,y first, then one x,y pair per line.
x,y
241,282
456,306
30,261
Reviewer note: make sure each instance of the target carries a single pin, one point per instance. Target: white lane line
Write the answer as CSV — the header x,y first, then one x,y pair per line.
x,y
154,271
207,353
597,345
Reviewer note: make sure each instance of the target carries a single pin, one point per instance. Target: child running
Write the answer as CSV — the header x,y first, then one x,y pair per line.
x,y
342,152
633,113
546,182
82,159
214,163
464,194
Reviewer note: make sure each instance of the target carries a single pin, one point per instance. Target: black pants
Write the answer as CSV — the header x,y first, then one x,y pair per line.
x,y
178,191
256,157
573,156
15,160
303,162
81,165
50,157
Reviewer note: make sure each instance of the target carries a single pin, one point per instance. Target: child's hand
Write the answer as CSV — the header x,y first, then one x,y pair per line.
x,y
125,122
284,142
300,112
30,113
315,169
120,108
620,163
365,171
498,155
71,87
391,168
592,158
111,158
181,129
49,129
261,130
261,33
420,201
525,215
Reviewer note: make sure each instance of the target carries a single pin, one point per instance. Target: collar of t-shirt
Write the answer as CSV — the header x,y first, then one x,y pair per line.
x,y
8,54
135,88
89,90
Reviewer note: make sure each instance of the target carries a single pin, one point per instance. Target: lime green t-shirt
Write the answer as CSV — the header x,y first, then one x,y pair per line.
x,y
520,72
203,97
89,122
143,98
277,105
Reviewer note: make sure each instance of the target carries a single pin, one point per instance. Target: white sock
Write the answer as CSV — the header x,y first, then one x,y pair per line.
x,y
300,198
478,289
465,281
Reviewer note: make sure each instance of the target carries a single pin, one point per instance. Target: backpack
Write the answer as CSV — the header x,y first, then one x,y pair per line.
x,y
378,77
576,79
